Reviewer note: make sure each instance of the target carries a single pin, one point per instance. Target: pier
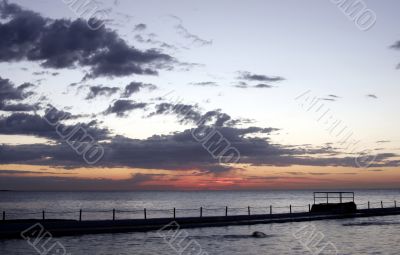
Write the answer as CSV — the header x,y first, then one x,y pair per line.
x,y
12,228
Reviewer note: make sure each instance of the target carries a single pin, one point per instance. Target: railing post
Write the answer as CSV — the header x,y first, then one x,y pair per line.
x,y
309,208
248,210
368,205
80,215
201,212
270,209
381,204
113,214
4,215
145,213
174,213
226,211
290,208
43,216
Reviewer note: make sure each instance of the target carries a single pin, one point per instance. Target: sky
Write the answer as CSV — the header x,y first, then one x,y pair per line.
x,y
199,95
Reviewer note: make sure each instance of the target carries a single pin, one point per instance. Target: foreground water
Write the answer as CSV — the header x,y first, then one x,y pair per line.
x,y
377,235
351,236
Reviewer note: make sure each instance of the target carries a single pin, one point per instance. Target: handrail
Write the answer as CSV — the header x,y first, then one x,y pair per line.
x,y
340,195
224,211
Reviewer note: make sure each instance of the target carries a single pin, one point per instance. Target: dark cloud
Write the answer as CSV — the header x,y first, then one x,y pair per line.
x,y
150,39
121,107
331,98
46,73
23,172
9,94
180,151
140,27
43,183
204,83
259,77
135,87
19,108
49,126
95,91
186,113
263,86
244,85
67,44
396,46
372,96
327,99
193,114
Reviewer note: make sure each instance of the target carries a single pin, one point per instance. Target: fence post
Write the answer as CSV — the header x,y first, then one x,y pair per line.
x,y
80,215
174,213
43,216
4,215
201,212
368,206
309,208
270,209
381,204
290,208
248,210
113,214
226,211
145,213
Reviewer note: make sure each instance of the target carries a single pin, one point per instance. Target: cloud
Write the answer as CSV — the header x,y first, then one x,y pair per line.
x,y
372,96
140,27
244,85
383,141
63,43
263,86
99,90
9,93
331,98
192,114
180,151
23,172
135,87
151,40
195,39
396,46
375,170
121,107
49,126
136,182
258,77
204,84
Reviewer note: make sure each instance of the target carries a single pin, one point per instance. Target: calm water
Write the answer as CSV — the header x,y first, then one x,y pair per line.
x,y
378,235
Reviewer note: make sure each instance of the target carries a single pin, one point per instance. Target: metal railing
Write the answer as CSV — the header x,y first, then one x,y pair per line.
x,y
114,214
338,196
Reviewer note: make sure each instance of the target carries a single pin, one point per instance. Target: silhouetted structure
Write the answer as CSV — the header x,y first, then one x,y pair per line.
x,y
338,206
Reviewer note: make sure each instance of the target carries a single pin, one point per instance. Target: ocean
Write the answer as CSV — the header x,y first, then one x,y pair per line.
x,y
375,235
